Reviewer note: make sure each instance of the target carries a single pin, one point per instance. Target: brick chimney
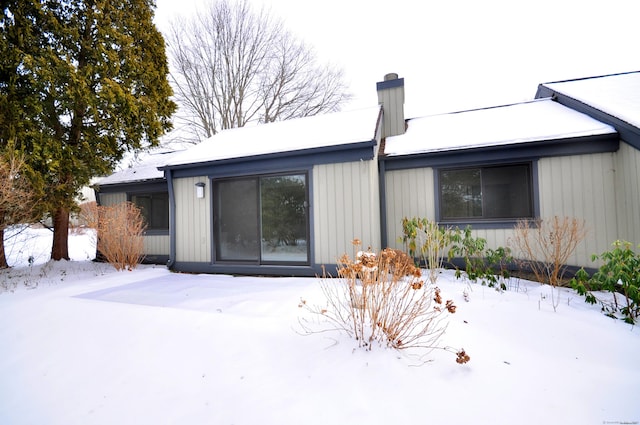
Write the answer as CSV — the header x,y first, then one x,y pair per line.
x,y
391,97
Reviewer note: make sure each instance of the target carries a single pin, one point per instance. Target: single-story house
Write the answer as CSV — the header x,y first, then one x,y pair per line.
x,y
288,198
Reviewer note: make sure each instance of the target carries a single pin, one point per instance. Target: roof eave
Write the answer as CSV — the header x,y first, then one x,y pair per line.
x,y
628,132
609,142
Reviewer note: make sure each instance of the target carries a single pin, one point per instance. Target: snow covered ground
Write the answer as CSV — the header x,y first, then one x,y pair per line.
x,y
83,344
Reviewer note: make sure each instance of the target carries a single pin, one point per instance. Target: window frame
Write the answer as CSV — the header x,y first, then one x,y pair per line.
x,y
152,231
483,222
215,231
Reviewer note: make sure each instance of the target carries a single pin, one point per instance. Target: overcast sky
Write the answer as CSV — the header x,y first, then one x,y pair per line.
x,y
457,55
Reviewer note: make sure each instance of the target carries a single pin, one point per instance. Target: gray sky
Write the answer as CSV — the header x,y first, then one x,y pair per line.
x,y
456,55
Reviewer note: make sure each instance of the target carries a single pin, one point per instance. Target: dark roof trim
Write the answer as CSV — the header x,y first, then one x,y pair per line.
x,y
363,151
156,185
591,77
500,153
628,132
389,84
251,270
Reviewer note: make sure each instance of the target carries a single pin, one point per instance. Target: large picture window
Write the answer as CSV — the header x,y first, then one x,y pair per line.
x,y
154,208
262,219
486,193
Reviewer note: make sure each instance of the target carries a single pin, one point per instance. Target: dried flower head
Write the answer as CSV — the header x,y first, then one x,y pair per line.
x,y
451,308
437,298
417,285
462,357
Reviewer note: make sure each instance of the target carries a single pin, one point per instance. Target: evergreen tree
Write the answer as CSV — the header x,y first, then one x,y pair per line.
x,y
81,82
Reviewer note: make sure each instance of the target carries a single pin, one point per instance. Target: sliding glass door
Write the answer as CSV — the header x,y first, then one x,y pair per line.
x,y
262,219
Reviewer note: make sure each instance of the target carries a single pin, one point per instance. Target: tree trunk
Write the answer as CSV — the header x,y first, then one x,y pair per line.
x,y
3,257
60,248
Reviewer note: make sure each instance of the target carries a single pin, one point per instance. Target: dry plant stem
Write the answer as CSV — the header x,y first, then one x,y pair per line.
x,y
382,298
120,235
18,198
432,241
547,246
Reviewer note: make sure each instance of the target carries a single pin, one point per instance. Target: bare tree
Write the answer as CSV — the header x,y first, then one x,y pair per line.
x,y
17,197
232,65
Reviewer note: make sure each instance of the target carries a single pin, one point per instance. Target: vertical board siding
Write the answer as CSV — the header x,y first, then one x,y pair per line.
x,y
156,245
393,117
409,193
346,206
108,199
581,186
628,193
193,221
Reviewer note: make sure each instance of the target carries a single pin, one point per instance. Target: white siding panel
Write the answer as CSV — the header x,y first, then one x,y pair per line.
x,y
345,206
628,193
156,245
108,199
409,193
581,186
193,221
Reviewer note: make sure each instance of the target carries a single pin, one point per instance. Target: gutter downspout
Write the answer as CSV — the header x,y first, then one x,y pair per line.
x,y
382,187
172,219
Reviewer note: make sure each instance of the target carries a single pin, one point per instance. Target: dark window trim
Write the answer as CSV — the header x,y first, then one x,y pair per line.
x,y
152,231
307,172
487,223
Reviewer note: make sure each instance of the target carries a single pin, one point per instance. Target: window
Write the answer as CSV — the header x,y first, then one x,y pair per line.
x,y
262,219
155,209
486,193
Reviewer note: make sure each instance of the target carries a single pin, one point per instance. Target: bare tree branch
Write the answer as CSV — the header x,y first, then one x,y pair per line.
x,y
17,196
233,66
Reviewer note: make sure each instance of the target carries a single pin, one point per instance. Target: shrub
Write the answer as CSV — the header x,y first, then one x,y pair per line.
x,y
620,274
120,235
426,240
483,264
546,245
382,298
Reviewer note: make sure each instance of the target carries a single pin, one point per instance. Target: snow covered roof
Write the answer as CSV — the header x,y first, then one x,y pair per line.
x,y
536,120
617,95
146,170
334,129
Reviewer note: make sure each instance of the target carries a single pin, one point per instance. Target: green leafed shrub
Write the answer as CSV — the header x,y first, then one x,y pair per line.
x,y
483,264
620,275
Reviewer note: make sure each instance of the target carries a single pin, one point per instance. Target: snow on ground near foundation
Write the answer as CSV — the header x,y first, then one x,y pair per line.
x,y
83,344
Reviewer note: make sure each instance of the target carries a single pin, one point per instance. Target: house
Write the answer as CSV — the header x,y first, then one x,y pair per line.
x,y
287,198
146,186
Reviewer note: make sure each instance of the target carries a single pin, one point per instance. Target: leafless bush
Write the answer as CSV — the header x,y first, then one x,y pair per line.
x,y
18,197
383,298
85,217
120,235
546,245
425,238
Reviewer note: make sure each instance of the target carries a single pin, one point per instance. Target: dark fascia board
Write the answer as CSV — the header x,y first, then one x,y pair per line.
x,y
253,270
506,153
155,185
362,151
628,132
389,84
